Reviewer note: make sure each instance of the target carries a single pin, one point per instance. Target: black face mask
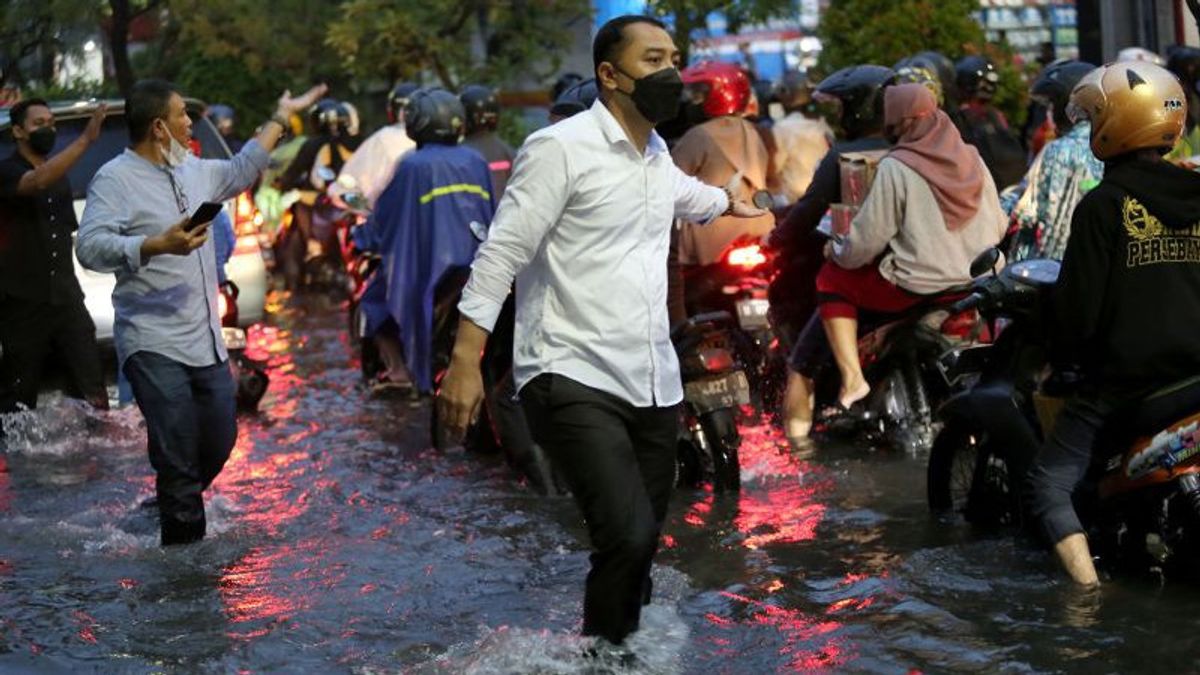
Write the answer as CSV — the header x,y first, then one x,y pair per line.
x,y
657,95
41,140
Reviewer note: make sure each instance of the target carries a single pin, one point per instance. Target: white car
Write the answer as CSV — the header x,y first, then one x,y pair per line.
x,y
246,266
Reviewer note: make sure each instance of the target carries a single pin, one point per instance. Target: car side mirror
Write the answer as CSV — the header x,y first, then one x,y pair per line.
x,y
985,262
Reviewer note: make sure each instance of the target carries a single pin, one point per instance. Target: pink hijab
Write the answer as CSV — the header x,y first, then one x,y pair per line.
x,y
931,145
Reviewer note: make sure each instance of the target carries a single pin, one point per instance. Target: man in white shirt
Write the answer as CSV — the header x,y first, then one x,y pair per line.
x,y
371,167
584,227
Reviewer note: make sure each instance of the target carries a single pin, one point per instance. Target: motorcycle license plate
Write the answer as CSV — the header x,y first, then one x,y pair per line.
x,y
235,338
752,313
723,391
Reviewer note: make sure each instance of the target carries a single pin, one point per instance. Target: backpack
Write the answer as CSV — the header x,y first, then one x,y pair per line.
x,y
997,145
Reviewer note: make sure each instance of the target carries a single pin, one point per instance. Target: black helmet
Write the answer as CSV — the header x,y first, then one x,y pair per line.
x,y
482,108
565,82
434,115
325,115
398,98
975,77
575,99
1053,87
859,89
795,91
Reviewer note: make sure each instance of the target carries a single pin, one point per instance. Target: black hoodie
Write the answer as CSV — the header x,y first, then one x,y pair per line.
x,y
1128,298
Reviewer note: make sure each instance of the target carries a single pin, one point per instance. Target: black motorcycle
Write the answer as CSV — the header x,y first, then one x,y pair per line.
x,y
714,387
987,439
249,374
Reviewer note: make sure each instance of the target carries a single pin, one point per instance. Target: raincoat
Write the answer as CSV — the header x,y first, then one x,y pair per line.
x,y
421,228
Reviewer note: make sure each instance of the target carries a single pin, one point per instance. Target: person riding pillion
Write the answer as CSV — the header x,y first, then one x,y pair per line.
x,y
422,227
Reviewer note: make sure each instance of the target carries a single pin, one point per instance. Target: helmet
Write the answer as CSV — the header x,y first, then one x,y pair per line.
x,y
795,90
1132,105
717,87
908,72
324,115
434,115
398,98
859,93
221,116
348,118
975,77
575,99
1185,63
482,107
1139,54
565,82
940,65
1054,86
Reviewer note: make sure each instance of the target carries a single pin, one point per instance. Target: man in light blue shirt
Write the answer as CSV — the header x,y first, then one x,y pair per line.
x,y
167,327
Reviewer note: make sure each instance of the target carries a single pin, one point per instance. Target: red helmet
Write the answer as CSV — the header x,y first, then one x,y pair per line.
x,y
724,87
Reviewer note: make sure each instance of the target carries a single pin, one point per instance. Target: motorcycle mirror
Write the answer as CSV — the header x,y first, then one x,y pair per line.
x,y
326,174
355,200
985,262
479,230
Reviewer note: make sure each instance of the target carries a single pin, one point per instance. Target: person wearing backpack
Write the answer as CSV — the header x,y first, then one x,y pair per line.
x,y
984,126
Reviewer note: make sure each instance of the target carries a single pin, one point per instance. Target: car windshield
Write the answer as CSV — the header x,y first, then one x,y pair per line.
x,y
114,138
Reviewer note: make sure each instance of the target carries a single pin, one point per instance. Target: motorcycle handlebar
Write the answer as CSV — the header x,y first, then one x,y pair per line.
x,y
968,303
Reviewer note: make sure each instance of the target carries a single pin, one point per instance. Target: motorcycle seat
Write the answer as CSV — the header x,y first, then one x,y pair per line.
x,y
1165,406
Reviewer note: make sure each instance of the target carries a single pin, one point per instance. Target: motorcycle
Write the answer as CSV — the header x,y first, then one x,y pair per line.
x,y
714,387
738,285
1142,502
360,266
314,260
900,361
249,374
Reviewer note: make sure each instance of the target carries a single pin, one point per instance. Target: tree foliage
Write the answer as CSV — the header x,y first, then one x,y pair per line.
x,y
689,16
885,31
30,28
495,41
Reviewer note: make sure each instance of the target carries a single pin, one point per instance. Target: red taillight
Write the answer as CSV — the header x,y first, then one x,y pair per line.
x,y
746,257
716,360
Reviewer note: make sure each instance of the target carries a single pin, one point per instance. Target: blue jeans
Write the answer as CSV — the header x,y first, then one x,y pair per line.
x,y
191,422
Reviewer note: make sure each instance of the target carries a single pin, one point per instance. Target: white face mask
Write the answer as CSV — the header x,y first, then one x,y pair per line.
x,y
176,153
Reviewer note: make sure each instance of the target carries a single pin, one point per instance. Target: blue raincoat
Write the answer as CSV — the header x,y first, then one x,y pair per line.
x,y
421,228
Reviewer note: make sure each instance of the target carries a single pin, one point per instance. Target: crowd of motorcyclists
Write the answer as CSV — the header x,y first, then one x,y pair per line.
x,y
947,178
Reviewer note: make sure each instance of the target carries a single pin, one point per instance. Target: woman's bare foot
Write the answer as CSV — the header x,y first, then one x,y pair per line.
x,y
855,392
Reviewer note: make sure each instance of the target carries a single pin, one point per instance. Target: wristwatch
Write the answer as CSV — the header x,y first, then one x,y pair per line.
x,y
729,195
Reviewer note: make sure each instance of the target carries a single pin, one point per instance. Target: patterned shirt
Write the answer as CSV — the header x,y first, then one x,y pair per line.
x,y
1065,170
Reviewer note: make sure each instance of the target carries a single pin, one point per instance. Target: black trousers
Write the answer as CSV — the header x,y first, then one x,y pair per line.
x,y
191,425
619,461
32,331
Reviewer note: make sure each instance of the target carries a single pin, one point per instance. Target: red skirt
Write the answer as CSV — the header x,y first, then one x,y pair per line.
x,y
842,292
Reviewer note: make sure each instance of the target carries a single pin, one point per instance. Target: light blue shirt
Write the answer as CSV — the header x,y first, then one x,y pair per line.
x,y
167,305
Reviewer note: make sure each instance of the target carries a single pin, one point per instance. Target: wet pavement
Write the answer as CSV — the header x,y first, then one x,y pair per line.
x,y
340,542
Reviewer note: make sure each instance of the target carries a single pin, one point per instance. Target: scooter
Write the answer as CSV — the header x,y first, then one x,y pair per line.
x,y
714,388
738,285
249,374
900,361
1142,499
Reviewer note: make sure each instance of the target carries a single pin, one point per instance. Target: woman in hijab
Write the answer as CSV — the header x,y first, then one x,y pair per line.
x,y
931,210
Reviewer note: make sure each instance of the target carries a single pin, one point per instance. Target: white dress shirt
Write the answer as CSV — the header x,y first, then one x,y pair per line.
x,y
584,228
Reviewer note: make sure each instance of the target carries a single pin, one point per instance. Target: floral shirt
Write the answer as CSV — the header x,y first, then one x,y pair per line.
x,y
1065,170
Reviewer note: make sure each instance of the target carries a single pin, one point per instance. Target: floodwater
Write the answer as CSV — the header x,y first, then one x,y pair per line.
x,y
340,542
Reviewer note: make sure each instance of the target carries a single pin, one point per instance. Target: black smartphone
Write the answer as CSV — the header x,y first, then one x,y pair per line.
x,y
204,214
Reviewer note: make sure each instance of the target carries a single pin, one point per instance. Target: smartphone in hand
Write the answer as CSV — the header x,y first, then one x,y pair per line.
x,y
204,214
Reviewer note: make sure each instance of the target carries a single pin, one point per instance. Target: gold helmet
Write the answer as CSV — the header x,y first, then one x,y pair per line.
x,y
1132,105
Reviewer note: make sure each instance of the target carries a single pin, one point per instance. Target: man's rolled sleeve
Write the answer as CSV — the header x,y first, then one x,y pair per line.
x,y
100,244
533,202
696,201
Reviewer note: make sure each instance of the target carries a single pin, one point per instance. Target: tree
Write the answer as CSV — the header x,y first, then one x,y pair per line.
x,y
885,31
122,14
30,27
495,41
688,16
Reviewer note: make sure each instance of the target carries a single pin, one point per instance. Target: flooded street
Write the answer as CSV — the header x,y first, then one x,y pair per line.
x,y
340,542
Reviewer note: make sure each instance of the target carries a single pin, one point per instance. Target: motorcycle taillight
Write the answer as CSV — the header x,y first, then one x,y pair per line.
x,y
746,257
716,360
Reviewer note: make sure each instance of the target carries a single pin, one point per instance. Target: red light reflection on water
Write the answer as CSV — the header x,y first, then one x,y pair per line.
x,y
5,485
245,591
808,642
779,502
